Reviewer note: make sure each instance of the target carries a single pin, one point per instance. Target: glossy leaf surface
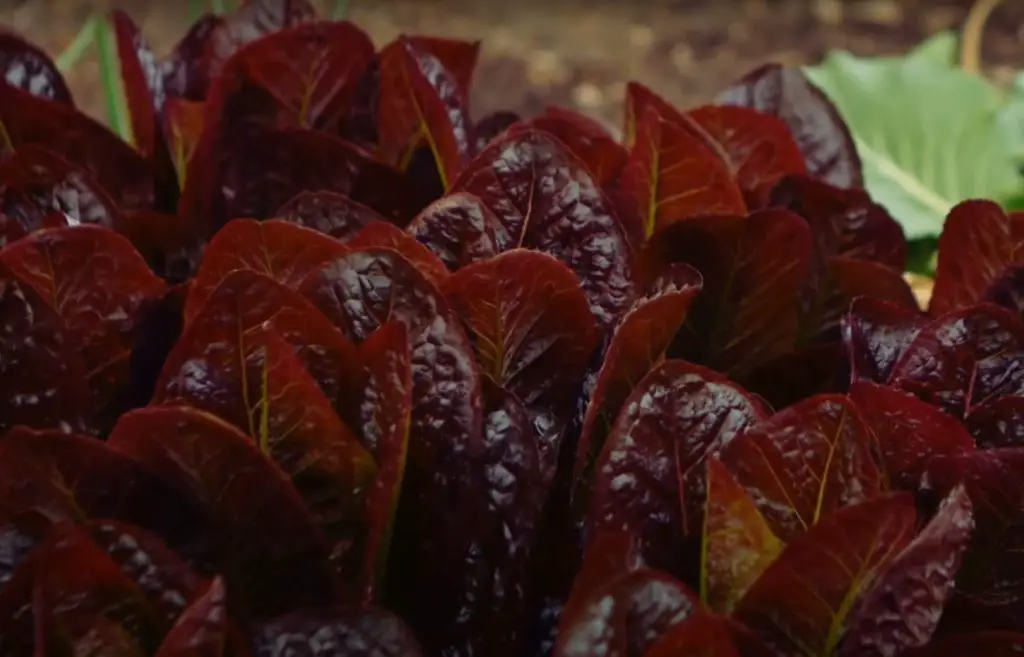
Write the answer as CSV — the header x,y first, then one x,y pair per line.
x,y
331,213
28,67
459,228
357,632
875,335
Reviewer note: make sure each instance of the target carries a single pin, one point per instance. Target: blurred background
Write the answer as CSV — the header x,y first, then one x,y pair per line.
x,y
580,53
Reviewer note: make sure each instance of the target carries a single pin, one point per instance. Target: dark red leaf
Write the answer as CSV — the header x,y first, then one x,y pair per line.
x,y
441,496
48,477
998,423
143,84
184,71
546,200
903,607
753,268
259,173
458,56
422,101
183,126
626,617
161,575
459,228
587,139
758,147
70,593
385,409
806,462
964,358
812,119
493,126
992,573
907,431
251,377
279,250
250,21
649,478
354,633
640,100
331,213
97,283
702,635
979,242
120,170
845,222
28,67
388,236
802,602
671,175
639,341
610,554
876,333
829,291
532,330
808,370
1008,289
202,630
251,498
43,379
167,243
309,71
35,182
738,544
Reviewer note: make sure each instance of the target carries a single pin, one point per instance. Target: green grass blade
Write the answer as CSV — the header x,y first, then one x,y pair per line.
x,y
71,55
340,10
218,7
196,8
118,114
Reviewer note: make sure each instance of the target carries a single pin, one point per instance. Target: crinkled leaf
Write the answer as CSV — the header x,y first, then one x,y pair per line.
x,y
753,268
422,101
979,243
388,236
120,170
251,377
43,381
875,334
806,462
812,119
803,602
69,592
912,151
280,250
671,175
49,477
650,476
331,213
532,330
758,147
96,281
36,182
459,228
385,412
907,431
26,66
627,616
639,340
903,608
249,496
366,632
738,543
998,423
587,139
546,200
964,358
202,630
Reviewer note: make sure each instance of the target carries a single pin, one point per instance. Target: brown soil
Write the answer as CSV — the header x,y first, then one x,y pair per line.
x,y
582,52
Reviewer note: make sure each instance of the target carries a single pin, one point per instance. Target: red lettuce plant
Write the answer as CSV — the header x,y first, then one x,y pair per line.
x,y
321,363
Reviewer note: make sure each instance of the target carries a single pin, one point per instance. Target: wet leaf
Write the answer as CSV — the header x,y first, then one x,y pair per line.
x,y
459,228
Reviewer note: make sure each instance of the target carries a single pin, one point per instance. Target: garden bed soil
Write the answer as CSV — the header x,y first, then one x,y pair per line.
x,y
582,52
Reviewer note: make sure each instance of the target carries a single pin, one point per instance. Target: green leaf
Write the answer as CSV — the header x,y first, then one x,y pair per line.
x,y
942,49
340,10
929,134
118,114
71,55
